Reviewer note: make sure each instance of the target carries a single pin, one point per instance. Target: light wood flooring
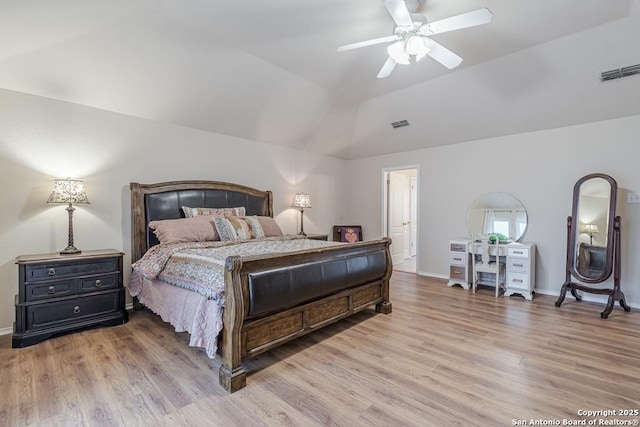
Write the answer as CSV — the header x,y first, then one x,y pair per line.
x,y
444,357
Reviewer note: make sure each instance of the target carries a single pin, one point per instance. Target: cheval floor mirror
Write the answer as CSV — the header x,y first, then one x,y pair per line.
x,y
590,260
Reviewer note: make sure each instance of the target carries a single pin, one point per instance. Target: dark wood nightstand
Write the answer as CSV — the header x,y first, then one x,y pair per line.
x,y
61,293
318,236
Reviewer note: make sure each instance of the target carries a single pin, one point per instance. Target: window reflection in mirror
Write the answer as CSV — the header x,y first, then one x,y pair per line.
x,y
497,213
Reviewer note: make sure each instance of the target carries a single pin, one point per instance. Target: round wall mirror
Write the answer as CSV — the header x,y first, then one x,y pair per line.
x,y
496,213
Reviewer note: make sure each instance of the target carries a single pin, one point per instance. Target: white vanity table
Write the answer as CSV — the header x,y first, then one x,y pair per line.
x,y
498,215
519,259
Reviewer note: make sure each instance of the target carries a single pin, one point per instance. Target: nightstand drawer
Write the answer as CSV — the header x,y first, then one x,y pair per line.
x,y
72,310
99,283
49,271
53,289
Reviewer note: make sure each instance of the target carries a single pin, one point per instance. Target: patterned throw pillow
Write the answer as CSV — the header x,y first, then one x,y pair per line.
x,y
238,228
193,212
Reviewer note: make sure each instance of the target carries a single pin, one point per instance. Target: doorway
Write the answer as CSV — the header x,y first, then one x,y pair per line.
x,y
400,216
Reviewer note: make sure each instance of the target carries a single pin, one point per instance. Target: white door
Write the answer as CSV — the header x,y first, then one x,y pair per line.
x,y
399,216
395,217
414,215
406,215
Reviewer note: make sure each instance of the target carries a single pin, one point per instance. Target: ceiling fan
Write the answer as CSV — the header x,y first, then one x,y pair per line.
x,y
411,35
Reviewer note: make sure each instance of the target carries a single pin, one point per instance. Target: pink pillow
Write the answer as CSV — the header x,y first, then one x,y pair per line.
x,y
196,229
269,226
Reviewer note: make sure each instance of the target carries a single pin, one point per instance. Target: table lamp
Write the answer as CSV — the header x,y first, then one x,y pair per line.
x,y
69,191
591,229
302,201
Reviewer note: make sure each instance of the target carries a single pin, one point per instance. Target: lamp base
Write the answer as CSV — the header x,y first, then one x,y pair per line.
x,y
302,233
70,250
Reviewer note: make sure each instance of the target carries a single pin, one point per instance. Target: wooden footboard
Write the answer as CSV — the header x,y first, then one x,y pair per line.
x,y
323,286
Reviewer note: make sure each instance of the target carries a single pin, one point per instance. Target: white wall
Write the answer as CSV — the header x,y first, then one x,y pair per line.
x,y
43,139
538,168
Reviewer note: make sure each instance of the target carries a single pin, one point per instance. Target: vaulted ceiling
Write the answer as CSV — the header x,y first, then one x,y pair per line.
x,y
268,70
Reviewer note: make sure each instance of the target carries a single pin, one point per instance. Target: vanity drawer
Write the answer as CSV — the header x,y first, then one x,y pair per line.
x,y
518,265
457,258
517,281
458,247
518,252
458,273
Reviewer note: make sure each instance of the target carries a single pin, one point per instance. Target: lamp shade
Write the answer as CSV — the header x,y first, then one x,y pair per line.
x,y
591,229
68,191
302,201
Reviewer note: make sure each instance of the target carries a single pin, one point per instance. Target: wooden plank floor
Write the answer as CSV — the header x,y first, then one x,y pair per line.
x,y
443,357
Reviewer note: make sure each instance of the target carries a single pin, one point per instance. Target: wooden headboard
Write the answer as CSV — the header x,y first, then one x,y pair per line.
x,y
164,200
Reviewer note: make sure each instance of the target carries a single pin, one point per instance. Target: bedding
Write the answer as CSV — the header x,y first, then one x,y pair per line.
x,y
199,267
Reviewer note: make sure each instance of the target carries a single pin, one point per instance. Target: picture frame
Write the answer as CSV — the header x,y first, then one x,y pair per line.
x,y
347,233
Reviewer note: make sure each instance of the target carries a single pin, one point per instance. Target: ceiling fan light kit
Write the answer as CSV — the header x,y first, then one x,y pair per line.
x,y
411,35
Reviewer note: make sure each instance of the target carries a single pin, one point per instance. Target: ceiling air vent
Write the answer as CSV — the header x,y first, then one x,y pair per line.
x,y
399,124
620,72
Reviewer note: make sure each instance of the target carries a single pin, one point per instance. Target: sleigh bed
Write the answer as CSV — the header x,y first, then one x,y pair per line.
x,y
268,299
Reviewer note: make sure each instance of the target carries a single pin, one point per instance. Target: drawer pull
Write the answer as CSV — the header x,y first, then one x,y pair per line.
x,y
457,273
51,290
457,259
517,280
518,265
98,283
518,252
52,272
76,309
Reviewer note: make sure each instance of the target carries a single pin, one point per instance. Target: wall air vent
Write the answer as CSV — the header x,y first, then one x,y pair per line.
x,y
399,124
620,72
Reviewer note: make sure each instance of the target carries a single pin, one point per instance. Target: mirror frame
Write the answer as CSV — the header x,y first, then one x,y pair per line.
x,y
575,229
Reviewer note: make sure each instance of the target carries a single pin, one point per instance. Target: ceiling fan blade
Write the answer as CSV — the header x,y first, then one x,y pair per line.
x,y
442,54
399,12
458,22
369,43
387,68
